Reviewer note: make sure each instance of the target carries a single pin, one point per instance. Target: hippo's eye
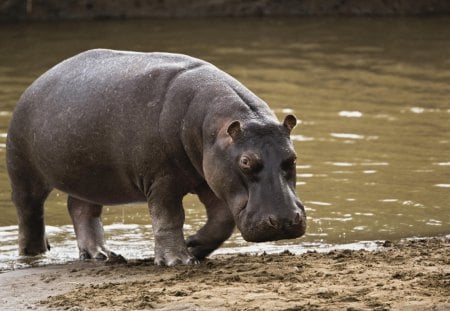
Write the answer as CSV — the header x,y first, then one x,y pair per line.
x,y
249,163
245,163
289,164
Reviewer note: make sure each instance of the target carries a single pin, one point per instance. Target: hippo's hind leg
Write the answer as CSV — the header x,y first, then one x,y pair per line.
x,y
217,229
28,197
29,191
86,218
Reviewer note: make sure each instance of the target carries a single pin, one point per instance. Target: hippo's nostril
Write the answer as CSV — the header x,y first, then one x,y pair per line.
x,y
300,205
272,222
296,219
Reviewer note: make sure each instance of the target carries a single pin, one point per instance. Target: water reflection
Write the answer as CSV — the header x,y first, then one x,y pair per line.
x,y
371,94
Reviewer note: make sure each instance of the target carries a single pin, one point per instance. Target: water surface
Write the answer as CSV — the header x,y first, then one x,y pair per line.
x,y
372,96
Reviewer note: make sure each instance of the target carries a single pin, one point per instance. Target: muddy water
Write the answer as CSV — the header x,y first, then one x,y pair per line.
x,y
372,95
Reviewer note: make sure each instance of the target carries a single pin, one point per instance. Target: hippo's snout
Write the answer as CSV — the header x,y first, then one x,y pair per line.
x,y
274,227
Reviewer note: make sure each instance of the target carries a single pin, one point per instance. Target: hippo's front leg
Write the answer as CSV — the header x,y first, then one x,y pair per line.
x,y
217,229
167,214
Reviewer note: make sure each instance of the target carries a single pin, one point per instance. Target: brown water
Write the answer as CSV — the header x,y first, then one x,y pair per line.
x,y
373,96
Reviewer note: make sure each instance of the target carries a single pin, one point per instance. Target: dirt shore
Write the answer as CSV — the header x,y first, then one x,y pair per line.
x,y
405,275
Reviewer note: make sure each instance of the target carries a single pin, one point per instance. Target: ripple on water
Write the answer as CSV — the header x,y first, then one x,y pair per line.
x,y
301,138
442,185
433,222
319,203
340,219
374,163
341,163
412,203
9,228
442,163
347,135
350,114
287,110
360,228
305,175
129,240
417,109
119,226
364,214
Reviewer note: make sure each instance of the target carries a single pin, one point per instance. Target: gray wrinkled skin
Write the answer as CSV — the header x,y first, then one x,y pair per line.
x,y
112,127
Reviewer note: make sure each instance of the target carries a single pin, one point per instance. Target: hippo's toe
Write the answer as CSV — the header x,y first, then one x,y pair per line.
x,y
171,259
200,251
101,255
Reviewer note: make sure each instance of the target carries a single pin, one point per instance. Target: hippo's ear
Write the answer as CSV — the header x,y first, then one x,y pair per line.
x,y
234,130
290,121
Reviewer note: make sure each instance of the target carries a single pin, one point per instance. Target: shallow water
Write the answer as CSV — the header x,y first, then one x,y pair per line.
x,y
372,95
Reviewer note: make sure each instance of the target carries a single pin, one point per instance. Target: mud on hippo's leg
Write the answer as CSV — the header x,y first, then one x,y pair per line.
x,y
167,214
86,218
217,229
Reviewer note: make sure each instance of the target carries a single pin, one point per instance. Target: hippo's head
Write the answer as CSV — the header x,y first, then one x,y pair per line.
x,y
252,168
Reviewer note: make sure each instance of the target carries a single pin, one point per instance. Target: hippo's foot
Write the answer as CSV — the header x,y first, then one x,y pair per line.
x,y
174,256
201,248
32,247
218,228
101,254
210,237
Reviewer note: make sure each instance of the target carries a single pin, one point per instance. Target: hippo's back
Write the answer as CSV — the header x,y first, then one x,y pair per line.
x,y
98,91
113,76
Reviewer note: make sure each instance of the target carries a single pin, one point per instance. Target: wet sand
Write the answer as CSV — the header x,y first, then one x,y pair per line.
x,y
404,275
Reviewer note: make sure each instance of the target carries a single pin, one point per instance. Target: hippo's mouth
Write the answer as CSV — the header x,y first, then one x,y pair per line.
x,y
265,235
260,228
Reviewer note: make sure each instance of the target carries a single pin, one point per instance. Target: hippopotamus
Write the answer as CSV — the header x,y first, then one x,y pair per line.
x,y
113,127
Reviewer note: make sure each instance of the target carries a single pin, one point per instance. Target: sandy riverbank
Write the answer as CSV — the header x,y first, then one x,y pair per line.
x,y
406,275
